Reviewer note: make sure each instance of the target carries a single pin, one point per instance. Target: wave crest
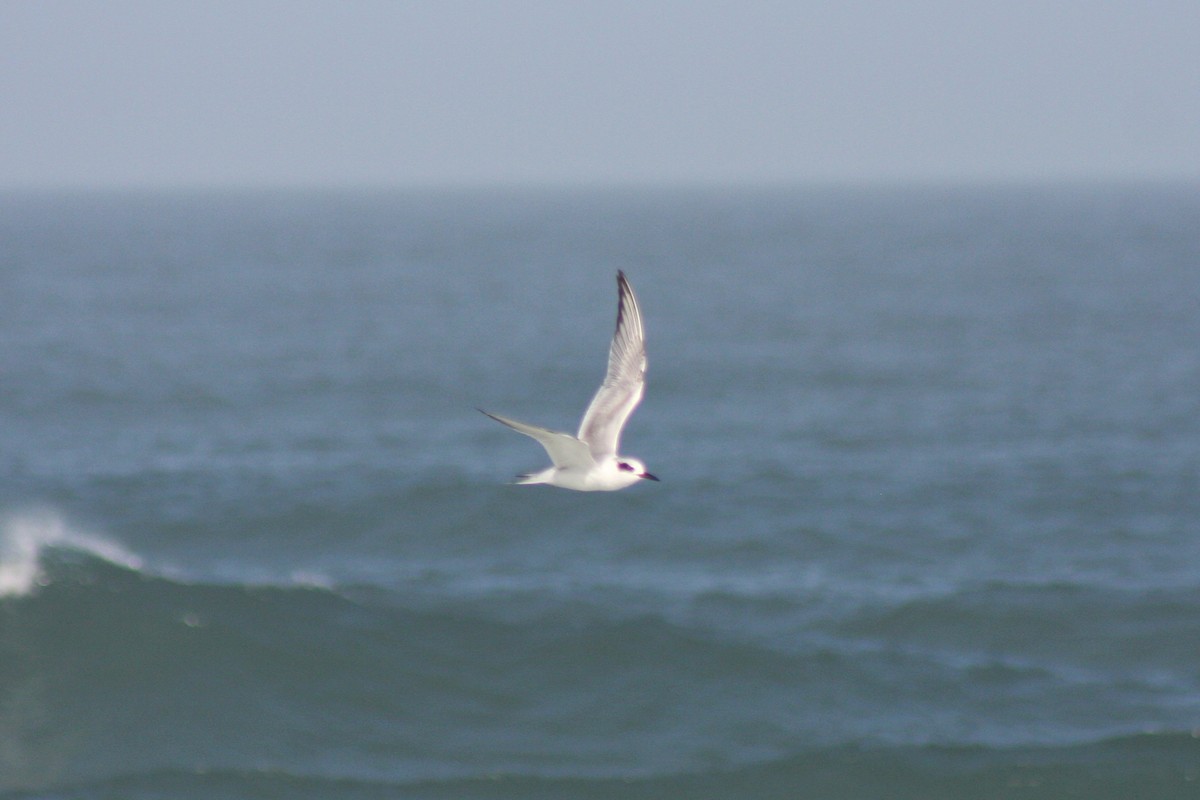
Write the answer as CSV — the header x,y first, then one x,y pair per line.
x,y
24,536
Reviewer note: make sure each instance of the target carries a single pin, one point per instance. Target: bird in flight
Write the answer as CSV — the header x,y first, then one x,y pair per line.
x,y
588,461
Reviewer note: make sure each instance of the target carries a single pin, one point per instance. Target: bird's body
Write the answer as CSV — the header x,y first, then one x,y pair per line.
x,y
588,461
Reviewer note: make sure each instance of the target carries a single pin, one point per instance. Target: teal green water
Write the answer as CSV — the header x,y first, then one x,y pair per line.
x,y
927,524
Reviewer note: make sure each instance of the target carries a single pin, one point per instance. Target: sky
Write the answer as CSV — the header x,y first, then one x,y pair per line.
x,y
157,93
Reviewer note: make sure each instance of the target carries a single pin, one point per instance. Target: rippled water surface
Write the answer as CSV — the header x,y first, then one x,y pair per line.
x,y
927,524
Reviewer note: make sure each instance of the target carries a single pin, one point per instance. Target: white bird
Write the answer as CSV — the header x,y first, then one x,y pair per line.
x,y
588,461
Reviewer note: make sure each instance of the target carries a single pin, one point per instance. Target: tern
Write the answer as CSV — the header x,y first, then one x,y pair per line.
x,y
588,461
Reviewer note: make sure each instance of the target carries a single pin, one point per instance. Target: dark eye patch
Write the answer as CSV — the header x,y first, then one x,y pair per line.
x,y
624,466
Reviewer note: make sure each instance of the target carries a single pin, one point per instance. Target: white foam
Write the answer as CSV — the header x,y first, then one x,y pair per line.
x,y
24,536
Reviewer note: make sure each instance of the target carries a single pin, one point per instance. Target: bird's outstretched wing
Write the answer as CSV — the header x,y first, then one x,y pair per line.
x,y
564,449
625,381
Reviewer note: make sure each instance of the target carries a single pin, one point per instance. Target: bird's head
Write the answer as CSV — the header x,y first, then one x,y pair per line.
x,y
635,467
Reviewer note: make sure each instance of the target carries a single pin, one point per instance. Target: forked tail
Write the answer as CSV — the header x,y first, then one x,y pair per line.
x,y
533,477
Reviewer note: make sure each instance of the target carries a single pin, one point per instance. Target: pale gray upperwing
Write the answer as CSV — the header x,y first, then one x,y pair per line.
x,y
564,449
624,383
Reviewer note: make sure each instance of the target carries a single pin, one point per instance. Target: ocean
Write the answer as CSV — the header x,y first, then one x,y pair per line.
x,y
928,523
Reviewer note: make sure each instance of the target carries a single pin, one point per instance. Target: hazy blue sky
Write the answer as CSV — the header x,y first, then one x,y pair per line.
x,y
452,91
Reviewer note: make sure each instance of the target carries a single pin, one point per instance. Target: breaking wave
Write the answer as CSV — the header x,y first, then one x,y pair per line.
x,y
25,537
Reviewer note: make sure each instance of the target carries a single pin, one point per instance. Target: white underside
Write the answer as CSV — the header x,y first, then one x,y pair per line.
x,y
602,477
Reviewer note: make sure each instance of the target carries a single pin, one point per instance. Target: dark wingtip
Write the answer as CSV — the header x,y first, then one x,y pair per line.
x,y
623,289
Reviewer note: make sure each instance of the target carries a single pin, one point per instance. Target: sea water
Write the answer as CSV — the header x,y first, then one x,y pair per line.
x,y
928,525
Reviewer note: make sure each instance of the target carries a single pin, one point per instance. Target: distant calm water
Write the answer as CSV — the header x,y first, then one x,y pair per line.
x,y
928,526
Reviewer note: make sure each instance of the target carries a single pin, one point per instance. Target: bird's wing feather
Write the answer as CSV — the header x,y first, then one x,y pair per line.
x,y
564,449
624,383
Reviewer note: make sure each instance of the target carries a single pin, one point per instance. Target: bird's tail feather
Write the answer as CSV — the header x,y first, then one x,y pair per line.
x,y
529,477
